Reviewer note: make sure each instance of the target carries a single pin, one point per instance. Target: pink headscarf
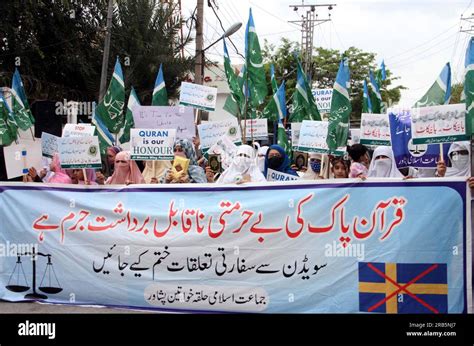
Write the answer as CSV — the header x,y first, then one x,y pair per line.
x,y
125,171
60,176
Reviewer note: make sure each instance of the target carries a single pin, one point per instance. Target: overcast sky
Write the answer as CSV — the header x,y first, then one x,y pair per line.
x,y
414,37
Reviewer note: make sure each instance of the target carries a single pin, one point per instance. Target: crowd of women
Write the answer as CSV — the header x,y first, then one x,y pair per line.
x,y
250,164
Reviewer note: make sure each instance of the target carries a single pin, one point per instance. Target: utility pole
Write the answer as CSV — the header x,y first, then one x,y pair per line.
x,y
199,64
470,31
308,23
105,57
199,42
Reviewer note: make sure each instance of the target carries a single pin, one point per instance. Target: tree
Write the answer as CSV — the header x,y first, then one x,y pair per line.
x,y
456,91
60,45
324,67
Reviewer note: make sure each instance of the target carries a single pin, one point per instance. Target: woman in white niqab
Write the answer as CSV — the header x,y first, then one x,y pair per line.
x,y
243,166
459,154
383,164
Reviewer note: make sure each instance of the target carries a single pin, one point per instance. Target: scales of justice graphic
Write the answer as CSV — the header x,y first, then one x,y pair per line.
x,y
21,283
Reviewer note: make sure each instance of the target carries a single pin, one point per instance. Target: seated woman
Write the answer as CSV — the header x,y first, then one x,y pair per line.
x,y
154,170
89,179
194,173
383,164
314,170
126,171
59,175
459,154
243,168
277,159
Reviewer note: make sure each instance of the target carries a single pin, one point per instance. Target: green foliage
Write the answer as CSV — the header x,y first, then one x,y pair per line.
x,y
456,91
325,65
59,45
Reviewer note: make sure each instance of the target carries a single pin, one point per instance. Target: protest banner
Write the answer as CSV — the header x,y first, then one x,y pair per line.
x,y
323,99
151,144
180,118
49,144
198,96
406,153
79,152
273,175
256,129
20,157
374,129
439,124
210,132
320,247
295,135
74,130
313,138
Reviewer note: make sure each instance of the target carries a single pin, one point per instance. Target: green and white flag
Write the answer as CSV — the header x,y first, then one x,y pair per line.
x,y
235,101
304,105
366,104
257,82
273,79
440,91
160,96
105,137
276,107
375,95
133,102
110,109
469,87
338,129
8,128
282,139
21,111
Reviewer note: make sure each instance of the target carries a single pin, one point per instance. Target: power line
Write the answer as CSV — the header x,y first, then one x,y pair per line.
x,y
423,44
424,57
223,29
415,56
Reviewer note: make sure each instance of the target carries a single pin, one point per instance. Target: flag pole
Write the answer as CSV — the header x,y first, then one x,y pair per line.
x,y
32,135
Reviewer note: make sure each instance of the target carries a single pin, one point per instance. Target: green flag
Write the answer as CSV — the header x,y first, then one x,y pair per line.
x,y
338,129
440,91
105,137
282,139
375,95
276,107
304,105
273,79
21,112
110,109
8,129
469,87
257,83
366,103
160,96
235,101
133,101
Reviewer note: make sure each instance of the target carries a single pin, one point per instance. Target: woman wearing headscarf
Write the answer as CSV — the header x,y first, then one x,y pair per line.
x,y
277,159
89,179
260,159
126,171
459,154
243,168
154,170
59,175
383,164
195,173
315,167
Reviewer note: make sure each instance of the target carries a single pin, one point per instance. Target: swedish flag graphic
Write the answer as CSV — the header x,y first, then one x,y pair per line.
x,y
403,287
